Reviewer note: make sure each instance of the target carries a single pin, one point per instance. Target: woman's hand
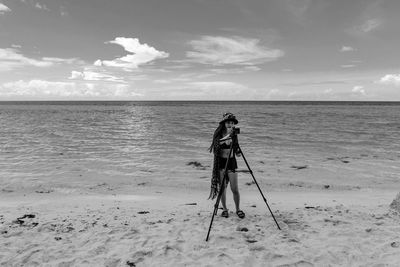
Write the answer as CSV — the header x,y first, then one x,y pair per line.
x,y
238,154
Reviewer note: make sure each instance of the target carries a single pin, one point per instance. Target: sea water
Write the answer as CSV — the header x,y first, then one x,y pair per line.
x,y
155,142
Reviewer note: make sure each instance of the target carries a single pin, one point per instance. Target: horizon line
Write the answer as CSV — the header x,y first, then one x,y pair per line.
x,y
326,101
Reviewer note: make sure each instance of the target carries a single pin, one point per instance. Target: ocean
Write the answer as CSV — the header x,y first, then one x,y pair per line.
x,y
303,144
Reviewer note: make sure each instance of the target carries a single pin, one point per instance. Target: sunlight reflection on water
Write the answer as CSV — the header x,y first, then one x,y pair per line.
x,y
155,141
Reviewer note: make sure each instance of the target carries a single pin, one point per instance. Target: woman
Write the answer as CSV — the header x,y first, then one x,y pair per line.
x,y
221,154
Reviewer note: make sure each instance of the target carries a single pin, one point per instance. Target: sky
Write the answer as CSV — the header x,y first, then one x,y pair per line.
x,y
337,50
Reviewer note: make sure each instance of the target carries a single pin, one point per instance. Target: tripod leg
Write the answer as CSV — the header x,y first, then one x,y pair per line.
x,y
265,200
216,206
220,191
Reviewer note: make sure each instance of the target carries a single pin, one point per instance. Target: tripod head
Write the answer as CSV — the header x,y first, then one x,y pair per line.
x,y
235,131
232,135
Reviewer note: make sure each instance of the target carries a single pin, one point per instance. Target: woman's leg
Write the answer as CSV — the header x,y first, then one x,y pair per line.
x,y
233,178
223,197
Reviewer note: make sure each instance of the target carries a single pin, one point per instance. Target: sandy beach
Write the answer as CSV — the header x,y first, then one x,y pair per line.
x,y
115,188
165,226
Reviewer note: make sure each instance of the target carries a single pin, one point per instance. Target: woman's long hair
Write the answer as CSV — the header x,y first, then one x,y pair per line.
x,y
217,135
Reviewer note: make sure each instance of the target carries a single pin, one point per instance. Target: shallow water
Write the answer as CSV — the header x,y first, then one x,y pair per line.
x,y
153,141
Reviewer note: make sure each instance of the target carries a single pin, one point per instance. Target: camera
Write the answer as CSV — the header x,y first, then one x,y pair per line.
x,y
233,133
235,130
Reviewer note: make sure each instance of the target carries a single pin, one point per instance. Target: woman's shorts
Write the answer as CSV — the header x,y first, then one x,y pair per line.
x,y
232,164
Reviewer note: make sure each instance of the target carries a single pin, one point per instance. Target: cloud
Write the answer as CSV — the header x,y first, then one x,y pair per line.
x,y
217,50
35,87
63,11
252,68
41,6
390,79
10,59
305,83
4,8
141,54
93,76
216,89
370,25
237,70
366,27
184,77
217,85
63,60
347,49
298,7
36,4
42,89
347,66
98,63
359,89
163,81
273,94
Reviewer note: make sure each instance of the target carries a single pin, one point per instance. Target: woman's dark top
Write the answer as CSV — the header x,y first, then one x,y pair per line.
x,y
232,164
224,146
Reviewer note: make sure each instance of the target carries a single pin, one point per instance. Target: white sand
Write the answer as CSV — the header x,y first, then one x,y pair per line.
x,y
156,227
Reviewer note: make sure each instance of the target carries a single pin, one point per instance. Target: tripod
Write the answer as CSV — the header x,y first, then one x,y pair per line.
x,y
233,136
